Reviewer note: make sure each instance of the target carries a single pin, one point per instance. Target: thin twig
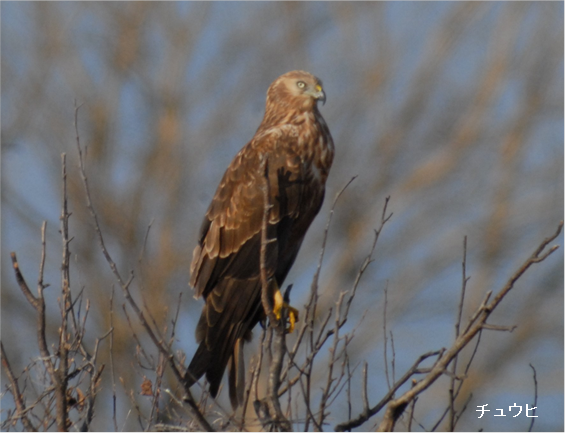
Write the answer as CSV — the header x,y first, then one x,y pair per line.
x,y
199,418
349,376
412,409
397,406
331,363
385,351
393,361
535,398
15,389
112,370
310,313
366,414
59,386
464,280
315,279
307,327
365,394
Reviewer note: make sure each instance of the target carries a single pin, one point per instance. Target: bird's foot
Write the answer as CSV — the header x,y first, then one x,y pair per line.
x,y
292,312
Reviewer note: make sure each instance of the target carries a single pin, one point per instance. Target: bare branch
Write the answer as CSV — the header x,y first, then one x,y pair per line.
x,y
21,409
61,384
499,327
269,411
366,414
112,371
125,289
365,393
34,302
535,398
385,338
397,406
268,286
311,306
452,393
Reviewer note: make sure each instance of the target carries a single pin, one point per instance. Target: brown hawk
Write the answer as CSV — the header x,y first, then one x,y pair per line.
x,y
225,267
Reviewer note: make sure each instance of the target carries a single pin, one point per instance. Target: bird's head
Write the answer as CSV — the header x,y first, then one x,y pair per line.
x,y
297,90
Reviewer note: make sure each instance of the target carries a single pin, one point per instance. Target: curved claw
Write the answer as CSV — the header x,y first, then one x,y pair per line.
x,y
293,316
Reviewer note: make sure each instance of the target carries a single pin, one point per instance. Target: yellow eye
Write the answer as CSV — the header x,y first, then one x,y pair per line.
x,y
301,84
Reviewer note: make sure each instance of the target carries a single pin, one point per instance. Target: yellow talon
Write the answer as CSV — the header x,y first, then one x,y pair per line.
x,y
292,312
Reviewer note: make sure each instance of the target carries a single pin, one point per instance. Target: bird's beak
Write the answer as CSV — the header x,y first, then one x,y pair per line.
x,y
320,95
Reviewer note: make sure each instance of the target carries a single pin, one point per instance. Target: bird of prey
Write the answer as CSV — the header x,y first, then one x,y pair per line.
x,y
225,267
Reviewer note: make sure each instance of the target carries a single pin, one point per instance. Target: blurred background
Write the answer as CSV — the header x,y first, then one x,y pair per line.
x,y
454,110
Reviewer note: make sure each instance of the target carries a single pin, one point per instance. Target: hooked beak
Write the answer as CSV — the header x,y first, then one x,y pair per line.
x,y
320,95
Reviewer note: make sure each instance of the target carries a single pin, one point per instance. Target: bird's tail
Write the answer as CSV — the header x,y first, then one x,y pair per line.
x,y
236,374
199,364
213,365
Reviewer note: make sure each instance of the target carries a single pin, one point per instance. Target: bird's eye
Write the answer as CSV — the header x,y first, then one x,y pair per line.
x,y
301,84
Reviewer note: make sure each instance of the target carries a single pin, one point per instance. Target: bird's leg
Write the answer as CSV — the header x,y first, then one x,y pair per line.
x,y
292,312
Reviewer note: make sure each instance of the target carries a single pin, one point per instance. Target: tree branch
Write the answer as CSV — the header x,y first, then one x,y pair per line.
x,y
396,407
33,301
269,411
535,398
157,340
21,409
477,323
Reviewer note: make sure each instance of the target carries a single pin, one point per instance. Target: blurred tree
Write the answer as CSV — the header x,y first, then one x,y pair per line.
x,y
455,110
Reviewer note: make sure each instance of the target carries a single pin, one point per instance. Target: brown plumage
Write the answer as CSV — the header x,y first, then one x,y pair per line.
x,y
225,265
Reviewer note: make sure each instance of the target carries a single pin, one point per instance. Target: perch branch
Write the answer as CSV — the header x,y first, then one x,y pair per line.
x,y
269,411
